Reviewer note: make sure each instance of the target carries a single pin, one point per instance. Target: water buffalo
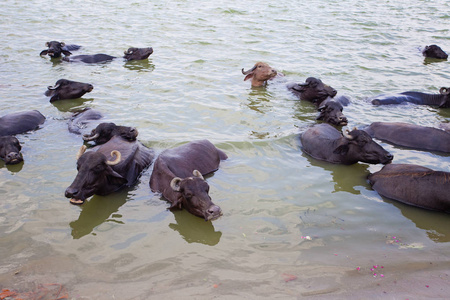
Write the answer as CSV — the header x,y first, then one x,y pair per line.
x,y
10,150
410,135
178,175
330,111
414,185
441,100
130,54
99,174
259,74
105,131
81,120
313,90
67,89
324,142
434,51
56,48
20,122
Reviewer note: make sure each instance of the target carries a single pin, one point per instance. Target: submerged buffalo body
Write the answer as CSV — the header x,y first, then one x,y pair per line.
x,y
434,51
55,49
10,150
130,54
259,74
83,120
414,185
441,100
20,122
67,89
324,142
178,175
107,168
105,131
313,90
411,136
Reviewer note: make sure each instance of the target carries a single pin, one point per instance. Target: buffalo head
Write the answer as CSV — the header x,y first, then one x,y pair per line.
x,y
137,53
55,49
434,51
194,196
95,176
260,73
67,89
358,145
105,131
313,90
330,111
10,150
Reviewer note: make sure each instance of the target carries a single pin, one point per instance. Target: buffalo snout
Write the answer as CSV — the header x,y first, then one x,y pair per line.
x,y
213,212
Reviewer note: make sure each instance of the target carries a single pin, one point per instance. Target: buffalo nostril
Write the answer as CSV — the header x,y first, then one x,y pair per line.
x,y
214,210
390,156
70,192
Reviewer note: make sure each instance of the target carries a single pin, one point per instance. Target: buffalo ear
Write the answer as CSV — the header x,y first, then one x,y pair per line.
x,y
248,76
342,149
43,52
320,117
66,53
116,179
177,204
54,98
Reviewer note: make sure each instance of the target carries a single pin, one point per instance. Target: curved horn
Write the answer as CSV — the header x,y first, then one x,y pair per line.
x,y
62,44
175,184
88,138
444,91
81,151
197,173
53,87
347,135
117,160
249,71
46,44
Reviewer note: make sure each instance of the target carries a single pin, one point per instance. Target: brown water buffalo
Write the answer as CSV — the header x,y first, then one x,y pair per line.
x,y
330,111
130,54
441,100
10,150
55,49
178,175
20,122
313,90
105,131
434,51
324,142
410,135
83,121
259,74
67,89
107,168
414,185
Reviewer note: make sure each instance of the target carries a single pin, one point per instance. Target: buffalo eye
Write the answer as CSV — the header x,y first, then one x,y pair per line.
x,y
98,168
188,196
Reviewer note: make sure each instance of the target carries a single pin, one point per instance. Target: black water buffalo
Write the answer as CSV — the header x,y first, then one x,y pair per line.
x,y
324,142
441,100
81,120
259,74
130,54
10,150
410,135
105,131
414,185
20,122
100,174
313,90
178,175
330,111
434,51
55,49
67,89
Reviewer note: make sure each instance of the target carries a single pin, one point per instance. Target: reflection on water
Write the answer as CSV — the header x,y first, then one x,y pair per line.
x,y
68,105
194,229
13,168
140,65
436,224
96,211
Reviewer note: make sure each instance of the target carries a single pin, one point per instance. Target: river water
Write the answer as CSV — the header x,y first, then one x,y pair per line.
x,y
293,227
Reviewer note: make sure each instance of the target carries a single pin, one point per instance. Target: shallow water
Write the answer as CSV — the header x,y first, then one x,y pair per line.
x,y
128,246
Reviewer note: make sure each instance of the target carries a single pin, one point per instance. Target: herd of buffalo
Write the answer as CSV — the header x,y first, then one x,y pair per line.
x,y
111,157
